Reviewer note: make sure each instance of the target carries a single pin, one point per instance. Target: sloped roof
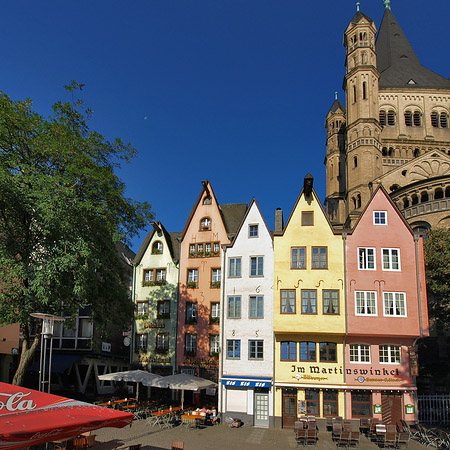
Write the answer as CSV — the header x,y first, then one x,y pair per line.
x,y
232,215
397,61
335,106
359,16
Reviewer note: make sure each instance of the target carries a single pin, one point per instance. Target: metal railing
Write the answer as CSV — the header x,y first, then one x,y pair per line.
x,y
434,408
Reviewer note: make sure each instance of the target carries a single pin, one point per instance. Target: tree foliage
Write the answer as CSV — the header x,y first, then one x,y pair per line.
x,y
437,265
62,212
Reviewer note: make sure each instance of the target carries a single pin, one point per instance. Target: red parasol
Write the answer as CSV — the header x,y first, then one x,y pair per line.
x,y
29,417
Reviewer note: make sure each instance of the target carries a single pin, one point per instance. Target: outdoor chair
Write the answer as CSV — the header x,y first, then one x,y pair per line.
x,y
354,439
300,436
337,430
364,425
177,445
390,440
311,436
329,423
344,439
403,440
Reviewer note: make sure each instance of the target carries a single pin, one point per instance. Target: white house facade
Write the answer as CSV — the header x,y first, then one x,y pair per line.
x,y
246,360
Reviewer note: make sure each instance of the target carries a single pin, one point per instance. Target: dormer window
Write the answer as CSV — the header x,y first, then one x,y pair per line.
x,y
205,224
157,248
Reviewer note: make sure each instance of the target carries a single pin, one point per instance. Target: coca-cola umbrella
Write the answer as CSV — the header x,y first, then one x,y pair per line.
x,y
29,417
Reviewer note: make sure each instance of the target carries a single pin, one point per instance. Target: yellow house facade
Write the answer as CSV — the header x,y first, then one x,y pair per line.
x,y
309,313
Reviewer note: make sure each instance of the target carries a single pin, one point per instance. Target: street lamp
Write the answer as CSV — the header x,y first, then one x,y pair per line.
x,y
48,321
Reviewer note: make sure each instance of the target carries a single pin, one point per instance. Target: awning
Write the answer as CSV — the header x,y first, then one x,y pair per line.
x,y
258,382
29,417
60,363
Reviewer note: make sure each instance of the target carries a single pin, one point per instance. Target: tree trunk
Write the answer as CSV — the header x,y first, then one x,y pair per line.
x,y
26,357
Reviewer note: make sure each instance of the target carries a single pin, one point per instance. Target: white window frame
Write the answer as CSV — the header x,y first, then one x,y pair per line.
x,y
231,311
191,343
360,356
390,354
396,296
215,310
162,341
216,275
214,343
251,230
232,267
364,253
259,266
366,306
390,252
258,311
380,217
142,308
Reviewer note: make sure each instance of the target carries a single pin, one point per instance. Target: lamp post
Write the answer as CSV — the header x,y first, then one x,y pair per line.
x,y
48,321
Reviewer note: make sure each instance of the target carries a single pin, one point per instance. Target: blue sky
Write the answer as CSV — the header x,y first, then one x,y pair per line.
x,y
234,91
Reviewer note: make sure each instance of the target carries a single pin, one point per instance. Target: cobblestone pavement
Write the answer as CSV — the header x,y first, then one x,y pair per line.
x,y
219,437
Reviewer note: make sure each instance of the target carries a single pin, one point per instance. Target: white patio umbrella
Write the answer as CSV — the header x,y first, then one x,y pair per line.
x,y
136,376
184,382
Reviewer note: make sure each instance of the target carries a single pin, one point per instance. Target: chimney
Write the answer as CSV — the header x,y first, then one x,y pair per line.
x,y
279,224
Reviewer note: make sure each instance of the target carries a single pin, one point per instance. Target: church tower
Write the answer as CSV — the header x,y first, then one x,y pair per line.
x,y
364,157
335,163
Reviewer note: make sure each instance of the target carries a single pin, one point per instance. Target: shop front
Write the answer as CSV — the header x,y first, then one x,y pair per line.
x,y
249,399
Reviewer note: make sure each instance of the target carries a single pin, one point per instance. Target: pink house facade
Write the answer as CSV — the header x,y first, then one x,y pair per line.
x,y
386,313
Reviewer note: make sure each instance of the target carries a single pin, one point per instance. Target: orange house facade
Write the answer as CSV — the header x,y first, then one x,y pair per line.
x,y
208,227
386,313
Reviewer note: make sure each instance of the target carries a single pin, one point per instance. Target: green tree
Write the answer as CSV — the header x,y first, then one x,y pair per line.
x,y
437,265
62,213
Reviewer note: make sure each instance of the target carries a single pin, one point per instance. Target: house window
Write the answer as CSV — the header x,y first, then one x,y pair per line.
x,y
214,344
312,401
233,349
154,277
394,304
307,351
215,313
319,258
307,218
215,278
216,248
142,308
298,258
208,249
191,250
141,342
366,258
191,313
287,301
366,303
192,281
391,258
255,349
253,231
288,351
234,267
390,354
256,266
327,351
330,402
234,307
361,404
330,300
190,344
309,301
160,274
207,200
162,342
148,275
380,218
163,309
205,224
360,353
256,307
157,248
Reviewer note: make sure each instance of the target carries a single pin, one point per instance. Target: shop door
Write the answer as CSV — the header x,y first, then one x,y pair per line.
x,y
392,409
261,410
289,410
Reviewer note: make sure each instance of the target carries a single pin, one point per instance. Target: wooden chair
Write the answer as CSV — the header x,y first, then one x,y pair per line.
x,y
403,440
344,439
337,430
354,439
300,436
177,445
390,440
311,436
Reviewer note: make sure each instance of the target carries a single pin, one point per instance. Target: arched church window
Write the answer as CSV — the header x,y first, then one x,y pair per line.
x,y
384,151
444,120
405,203
358,201
157,248
355,162
408,118
391,151
364,90
434,119
354,202
354,94
391,118
383,118
416,152
438,193
424,197
414,199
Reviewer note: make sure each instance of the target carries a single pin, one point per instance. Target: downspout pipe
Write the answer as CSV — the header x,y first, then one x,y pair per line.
x,y
222,318
344,249
178,306
419,300
133,324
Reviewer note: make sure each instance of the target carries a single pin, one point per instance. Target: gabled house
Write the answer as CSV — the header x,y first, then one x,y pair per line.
x,y
386,313
209,226
247,328
155,293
